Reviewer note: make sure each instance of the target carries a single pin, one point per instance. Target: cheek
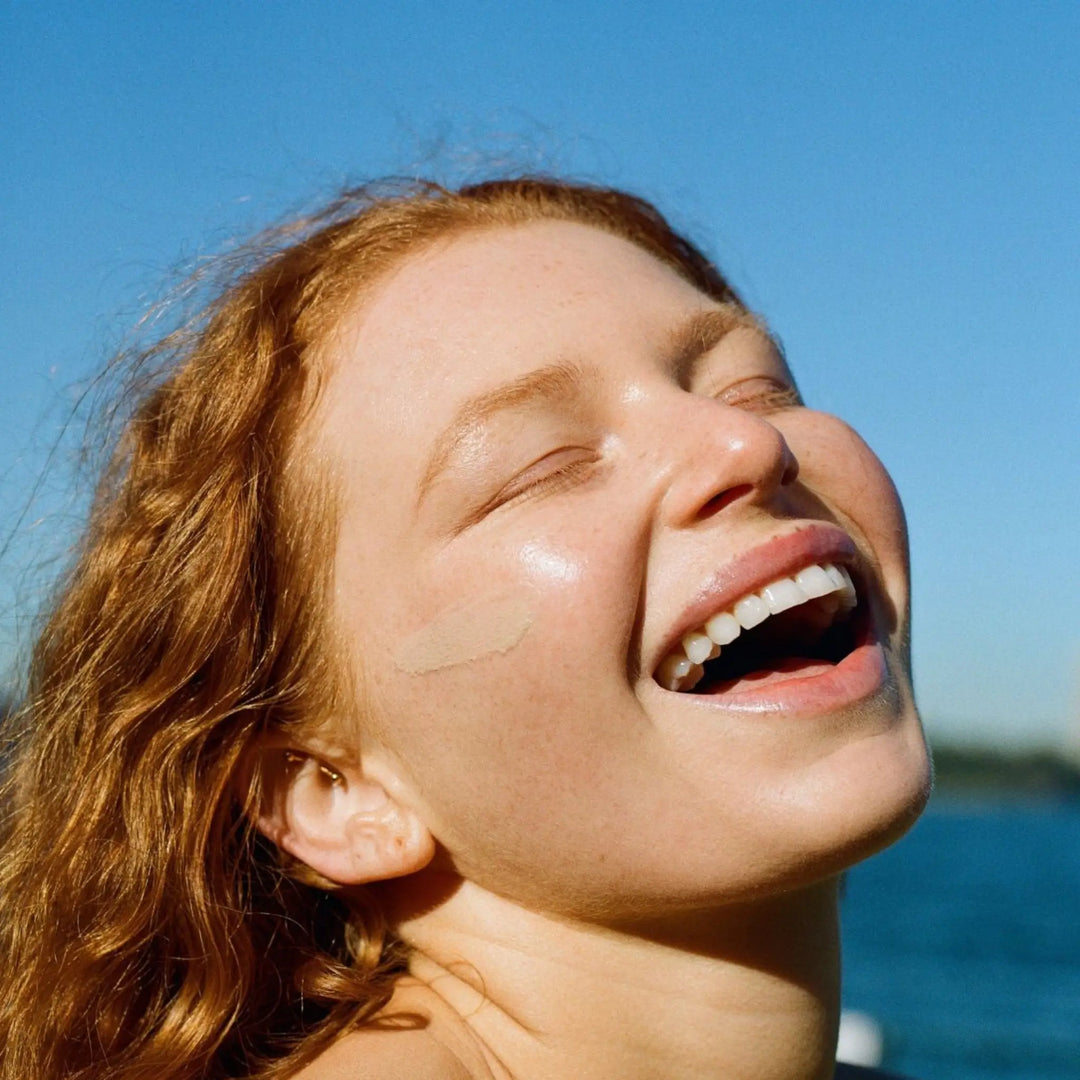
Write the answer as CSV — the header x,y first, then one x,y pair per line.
x,y
502,751
838,467
483,728
536,599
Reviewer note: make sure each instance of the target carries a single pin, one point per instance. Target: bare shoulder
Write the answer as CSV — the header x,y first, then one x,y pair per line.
x,y
414,1038
374,1053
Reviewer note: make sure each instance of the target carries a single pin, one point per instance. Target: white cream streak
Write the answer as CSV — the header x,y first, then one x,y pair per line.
x,y
487,625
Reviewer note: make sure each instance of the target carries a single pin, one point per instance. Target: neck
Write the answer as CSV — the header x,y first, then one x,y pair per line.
x,y
738,992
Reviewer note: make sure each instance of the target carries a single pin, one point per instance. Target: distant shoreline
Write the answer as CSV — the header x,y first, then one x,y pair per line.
x,y
968,770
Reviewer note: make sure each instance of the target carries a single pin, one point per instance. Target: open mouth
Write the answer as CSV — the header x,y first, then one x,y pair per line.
x,y
795,626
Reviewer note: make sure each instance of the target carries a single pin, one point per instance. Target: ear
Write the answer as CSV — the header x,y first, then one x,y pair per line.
x,y
338,817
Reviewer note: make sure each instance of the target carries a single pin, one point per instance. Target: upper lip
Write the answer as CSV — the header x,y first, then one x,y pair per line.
x,y
750,571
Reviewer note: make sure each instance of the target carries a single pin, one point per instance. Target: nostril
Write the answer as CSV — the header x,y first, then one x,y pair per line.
x,y
723,499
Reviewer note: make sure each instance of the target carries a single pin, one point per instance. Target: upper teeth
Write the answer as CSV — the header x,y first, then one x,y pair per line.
x,y
682,668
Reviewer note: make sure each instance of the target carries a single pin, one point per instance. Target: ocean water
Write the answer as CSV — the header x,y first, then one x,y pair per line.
x,y
963,942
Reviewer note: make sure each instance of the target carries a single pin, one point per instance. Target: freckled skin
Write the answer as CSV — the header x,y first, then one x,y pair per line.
x,y
554,773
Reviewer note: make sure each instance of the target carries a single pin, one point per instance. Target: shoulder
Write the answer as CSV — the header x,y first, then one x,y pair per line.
x,y
415,1037
375,1053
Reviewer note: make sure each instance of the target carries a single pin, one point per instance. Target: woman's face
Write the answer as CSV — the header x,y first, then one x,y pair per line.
x,y
557,458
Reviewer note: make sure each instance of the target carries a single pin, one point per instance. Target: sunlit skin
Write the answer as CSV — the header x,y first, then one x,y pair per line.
x,y
579,812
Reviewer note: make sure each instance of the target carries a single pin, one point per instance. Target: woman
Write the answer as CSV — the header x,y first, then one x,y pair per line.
x,y
479,663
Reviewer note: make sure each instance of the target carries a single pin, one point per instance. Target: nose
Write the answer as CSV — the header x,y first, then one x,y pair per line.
x,y
723,454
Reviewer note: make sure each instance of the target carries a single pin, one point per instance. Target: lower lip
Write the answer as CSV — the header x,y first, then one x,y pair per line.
x,y
809,687
814,688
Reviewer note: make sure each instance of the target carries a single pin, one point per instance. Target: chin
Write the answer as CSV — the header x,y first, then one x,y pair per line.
x,y
879,785
856,800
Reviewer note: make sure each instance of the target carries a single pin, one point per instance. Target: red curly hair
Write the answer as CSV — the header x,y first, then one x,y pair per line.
x,y
147,930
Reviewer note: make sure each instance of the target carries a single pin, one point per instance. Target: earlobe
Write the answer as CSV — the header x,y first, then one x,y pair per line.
x,y
338,819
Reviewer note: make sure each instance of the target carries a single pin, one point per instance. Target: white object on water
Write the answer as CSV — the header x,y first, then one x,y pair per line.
x,y
861,1041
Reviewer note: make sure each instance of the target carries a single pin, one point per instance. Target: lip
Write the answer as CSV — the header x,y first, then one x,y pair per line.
x,y
752,570
861,674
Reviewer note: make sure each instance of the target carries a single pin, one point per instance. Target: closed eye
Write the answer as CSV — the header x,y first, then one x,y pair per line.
x,y
761,393
554,472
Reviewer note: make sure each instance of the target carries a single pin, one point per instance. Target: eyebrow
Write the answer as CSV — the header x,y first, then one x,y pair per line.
x,y
703,331
544,385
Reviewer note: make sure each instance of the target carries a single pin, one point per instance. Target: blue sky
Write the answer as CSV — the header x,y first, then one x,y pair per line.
x,y
894,185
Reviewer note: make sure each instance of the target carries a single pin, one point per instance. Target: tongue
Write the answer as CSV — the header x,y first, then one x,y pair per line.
x,y
791,667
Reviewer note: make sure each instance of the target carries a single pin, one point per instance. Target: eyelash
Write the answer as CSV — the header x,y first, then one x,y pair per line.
x,y
770,395
549,483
